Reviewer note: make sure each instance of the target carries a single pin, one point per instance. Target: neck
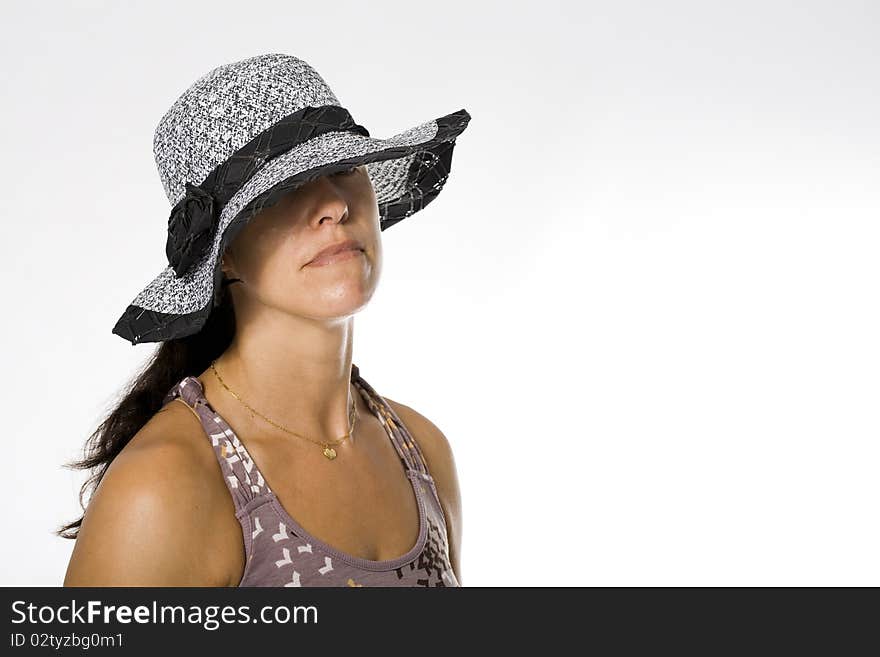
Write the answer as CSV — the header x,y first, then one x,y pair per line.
x,y
299,375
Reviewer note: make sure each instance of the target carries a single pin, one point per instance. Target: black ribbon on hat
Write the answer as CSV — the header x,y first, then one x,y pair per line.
x,y
191,228
194,218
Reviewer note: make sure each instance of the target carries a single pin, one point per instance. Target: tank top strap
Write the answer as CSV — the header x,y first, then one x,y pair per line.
x,y
241,475
407,448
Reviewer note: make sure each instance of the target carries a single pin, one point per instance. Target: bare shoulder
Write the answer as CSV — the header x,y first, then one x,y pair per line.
x,y
439,456
432,441
146,522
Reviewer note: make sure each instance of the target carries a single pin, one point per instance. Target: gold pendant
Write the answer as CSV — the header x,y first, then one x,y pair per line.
x,y
330,453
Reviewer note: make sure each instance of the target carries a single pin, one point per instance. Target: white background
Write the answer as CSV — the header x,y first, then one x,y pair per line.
x,y
644,310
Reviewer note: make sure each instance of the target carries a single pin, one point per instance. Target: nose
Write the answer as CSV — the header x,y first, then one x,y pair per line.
x,y
331,204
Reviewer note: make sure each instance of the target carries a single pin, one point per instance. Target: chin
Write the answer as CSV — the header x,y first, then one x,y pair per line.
x,y
346,301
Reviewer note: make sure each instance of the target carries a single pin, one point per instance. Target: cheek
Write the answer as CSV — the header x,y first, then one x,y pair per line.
x,y
265,254
279,278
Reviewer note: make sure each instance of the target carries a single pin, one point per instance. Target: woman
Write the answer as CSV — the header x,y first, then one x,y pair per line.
x,y
321,481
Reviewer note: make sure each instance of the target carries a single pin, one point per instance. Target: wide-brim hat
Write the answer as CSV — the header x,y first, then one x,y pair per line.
x,y
235,142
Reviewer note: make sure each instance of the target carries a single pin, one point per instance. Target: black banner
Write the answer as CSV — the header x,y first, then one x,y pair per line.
x,y
138,620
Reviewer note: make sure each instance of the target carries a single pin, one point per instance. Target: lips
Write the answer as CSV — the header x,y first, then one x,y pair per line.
x,y
338,247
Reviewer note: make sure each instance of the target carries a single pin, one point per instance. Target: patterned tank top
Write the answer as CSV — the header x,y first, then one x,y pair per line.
x,y
279,552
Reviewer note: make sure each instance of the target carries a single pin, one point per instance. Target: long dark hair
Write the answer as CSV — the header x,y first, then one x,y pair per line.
x,y
142,397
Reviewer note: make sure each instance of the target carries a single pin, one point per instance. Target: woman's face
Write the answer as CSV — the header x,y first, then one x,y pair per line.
x,y
272,253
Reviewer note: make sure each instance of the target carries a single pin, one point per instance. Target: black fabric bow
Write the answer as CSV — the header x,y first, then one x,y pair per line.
x,y
191,227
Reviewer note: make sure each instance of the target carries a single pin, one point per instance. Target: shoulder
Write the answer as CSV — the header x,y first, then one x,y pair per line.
x,y
145,522
440,459
432,441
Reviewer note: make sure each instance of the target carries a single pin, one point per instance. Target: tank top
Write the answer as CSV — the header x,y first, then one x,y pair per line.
x,y
280,552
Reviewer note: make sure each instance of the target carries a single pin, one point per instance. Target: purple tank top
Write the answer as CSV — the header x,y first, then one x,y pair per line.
x,y
279,552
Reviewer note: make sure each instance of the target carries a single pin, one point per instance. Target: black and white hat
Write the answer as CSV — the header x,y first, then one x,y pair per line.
x,y
237,140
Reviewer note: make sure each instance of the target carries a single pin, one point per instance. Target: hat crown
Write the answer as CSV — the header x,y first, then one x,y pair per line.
x,y
225,109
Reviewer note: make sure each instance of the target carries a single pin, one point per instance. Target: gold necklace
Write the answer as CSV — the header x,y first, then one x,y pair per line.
x,y
329,452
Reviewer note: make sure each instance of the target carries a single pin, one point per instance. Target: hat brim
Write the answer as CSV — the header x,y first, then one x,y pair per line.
x,y
407,170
